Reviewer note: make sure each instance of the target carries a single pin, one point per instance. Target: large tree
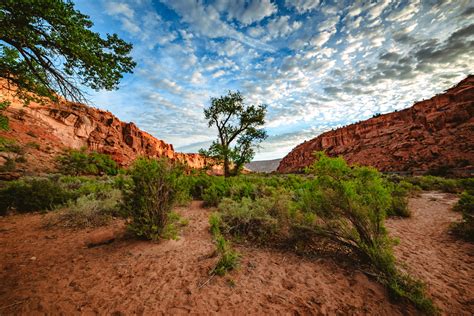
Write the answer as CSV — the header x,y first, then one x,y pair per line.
x,y
47,47
236,123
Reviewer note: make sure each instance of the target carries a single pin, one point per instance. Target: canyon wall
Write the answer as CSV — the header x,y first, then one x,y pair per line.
x,y
53,127
434,135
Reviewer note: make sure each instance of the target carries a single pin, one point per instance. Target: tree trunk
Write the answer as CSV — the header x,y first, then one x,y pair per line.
x,y
226,167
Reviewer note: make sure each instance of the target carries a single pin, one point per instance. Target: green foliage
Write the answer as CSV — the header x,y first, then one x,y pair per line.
x,y
228,258
3,119
48,47
173,225
8,166
263,219
46,193
80,162
436,183
235,122
465,205
400,193
10,145
149,201
32,194
33,145
87,211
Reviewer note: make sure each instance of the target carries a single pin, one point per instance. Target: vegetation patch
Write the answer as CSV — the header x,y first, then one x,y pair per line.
x,y
149,200
80,162
465,205
87,211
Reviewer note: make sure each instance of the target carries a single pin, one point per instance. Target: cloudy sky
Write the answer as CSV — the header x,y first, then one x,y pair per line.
x,y
317,64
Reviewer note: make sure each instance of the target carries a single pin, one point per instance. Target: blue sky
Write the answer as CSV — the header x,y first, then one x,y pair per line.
x,y
316,64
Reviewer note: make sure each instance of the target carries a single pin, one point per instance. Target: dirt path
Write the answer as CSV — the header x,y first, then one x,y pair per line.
x,y
445,263
50,271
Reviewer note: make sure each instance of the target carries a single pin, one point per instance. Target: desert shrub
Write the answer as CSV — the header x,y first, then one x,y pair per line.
x,y
32,194
465,228
399,203
263,219
228,258
9,165
10,145
81,162
33,145
436,183
199,183
149,201
214,194
350,204
173,225
87,211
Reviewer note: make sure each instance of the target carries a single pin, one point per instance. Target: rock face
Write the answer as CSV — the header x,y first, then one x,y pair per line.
x,y
54,127
434,135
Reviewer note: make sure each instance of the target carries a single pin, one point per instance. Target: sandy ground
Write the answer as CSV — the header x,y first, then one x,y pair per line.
x,y
52,272
430,252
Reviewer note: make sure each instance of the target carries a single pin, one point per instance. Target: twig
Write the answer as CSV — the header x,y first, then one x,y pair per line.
x,y
11,305
207,281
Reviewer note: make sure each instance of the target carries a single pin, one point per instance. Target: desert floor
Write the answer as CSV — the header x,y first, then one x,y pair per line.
x,y
51,271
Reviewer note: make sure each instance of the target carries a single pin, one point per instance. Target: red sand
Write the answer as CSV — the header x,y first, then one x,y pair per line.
x,y
51,272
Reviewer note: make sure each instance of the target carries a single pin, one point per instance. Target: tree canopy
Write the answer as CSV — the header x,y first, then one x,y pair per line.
x,y
236,123
47,47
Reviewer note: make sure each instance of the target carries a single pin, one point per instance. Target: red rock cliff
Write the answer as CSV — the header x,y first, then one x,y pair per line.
x,y
432,134
54,127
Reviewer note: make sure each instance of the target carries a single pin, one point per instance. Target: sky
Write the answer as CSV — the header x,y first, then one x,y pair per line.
x,y
317,64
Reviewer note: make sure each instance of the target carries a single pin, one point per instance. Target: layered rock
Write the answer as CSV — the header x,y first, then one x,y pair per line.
x,y
432,135
53,127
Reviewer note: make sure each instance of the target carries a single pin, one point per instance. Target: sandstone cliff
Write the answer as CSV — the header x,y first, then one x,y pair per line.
x,y
432,135
45,130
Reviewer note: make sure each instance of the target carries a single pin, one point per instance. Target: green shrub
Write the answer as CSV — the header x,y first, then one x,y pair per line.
x,y
400,193
263,219
436,183
32,194
9,165
465,228
214,194
228,258
87,211
80,162
10,145
149,201
350,204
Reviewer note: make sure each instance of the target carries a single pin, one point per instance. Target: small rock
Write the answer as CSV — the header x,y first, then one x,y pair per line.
x,y
33,258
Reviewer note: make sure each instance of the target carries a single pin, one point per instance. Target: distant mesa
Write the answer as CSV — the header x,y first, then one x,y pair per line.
x,y
433,136
265,166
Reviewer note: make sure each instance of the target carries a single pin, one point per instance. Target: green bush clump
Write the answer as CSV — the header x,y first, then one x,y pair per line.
x,y
149,201
87,211
228,258
350,204
436,183
214,194
81,162
400,193
263,219
32,194
10,145
465,205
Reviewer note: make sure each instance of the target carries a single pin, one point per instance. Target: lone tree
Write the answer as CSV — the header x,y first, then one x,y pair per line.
x,y
235,122
47,47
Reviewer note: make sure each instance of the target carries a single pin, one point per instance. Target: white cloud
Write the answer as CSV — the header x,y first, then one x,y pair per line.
x,y
302,5
406,13
246,11
118,8
281,27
